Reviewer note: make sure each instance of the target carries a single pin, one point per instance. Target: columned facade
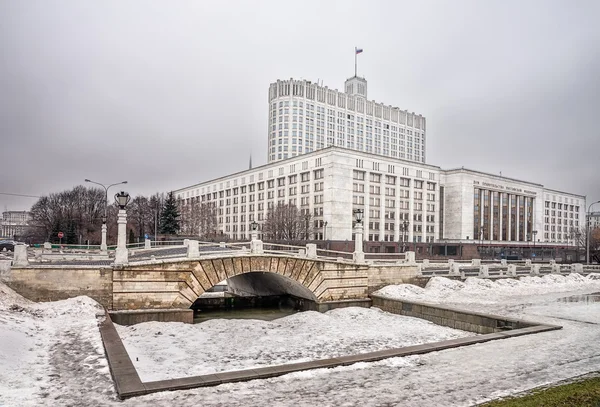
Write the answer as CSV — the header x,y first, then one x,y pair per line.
x,y
491,208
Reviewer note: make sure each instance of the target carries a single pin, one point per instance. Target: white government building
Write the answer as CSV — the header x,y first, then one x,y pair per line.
x,y
363,155
305,117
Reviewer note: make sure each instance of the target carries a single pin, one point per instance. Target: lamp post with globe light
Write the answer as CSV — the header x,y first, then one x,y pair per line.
x,y
358,255
104,228
404,226
121,255
253,230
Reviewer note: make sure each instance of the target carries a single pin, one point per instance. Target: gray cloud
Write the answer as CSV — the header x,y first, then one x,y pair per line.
x,y
166,95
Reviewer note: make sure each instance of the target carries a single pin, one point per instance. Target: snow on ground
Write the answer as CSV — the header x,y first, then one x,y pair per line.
x,y
162,350
485,291
50,354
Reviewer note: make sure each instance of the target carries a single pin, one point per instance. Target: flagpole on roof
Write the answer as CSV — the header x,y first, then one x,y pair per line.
x,y
355,54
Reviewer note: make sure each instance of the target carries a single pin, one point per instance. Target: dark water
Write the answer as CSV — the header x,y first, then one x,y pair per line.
x,y
262,313
593,297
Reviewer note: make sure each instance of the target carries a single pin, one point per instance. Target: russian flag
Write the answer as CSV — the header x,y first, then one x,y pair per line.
x,y
358,50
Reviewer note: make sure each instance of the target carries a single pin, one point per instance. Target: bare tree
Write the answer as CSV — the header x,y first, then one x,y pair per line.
x,y
286,222
141,215
199,219
75,212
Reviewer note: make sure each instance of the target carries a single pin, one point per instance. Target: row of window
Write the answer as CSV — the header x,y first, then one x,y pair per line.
x,y
560,206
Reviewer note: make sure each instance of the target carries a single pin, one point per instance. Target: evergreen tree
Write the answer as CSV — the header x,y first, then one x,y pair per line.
x,y
71,234
169,217
131,236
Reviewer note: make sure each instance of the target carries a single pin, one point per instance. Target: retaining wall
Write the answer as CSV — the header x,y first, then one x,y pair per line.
x,y
380,276
53,283
450,317
161,315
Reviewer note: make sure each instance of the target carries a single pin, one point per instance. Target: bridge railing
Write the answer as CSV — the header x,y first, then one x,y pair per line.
x,y
396,256
334,254
56,247
283,247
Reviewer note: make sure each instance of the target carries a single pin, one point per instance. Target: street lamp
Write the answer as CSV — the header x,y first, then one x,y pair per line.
x,y
404,226
253,231
358,215
578,238
587,218
122,199
121,255
358,255
103,245
325,230
534,233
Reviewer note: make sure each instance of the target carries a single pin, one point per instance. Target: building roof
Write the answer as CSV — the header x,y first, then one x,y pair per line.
x,y
326,150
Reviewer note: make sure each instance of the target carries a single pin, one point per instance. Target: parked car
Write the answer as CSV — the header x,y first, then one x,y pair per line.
x,y
8,245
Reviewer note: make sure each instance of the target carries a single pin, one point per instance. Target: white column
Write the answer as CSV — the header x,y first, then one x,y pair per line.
x,y
103,244
411,210
397,222
256,246
516,237
193,249
121,254
525,231
509,236
20,256
359,255
500,213
481,212
491,232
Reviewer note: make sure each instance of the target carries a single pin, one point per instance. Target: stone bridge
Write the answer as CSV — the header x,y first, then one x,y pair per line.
x,y
176,282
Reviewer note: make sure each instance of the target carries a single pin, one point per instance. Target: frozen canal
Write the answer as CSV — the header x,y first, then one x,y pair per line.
x,y
165,351
51,353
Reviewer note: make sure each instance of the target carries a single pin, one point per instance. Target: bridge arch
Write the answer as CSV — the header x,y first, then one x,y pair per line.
x,y
267,284
178,283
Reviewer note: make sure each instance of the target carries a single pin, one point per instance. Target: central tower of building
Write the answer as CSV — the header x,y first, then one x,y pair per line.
x,y
305,116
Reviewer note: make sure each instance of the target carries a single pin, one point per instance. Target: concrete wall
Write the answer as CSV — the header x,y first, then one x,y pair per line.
x,y
450,317
381,276
52,283
164,315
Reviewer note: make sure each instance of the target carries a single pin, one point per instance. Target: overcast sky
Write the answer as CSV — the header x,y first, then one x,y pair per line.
x,y
166,94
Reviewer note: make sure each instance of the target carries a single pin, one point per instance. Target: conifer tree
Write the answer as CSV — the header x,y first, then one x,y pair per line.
x,y
169,217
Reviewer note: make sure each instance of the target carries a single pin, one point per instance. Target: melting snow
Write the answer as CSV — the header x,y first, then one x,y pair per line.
x,y
51,353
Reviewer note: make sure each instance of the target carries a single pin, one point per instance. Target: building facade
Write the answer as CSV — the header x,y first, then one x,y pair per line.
x,y
594,219
492,208
305,117
402,201
329,184
331,152
14,223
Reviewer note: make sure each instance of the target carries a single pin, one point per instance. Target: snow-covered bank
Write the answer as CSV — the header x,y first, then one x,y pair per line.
x,y
50,353
169,350
66,366
483,291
